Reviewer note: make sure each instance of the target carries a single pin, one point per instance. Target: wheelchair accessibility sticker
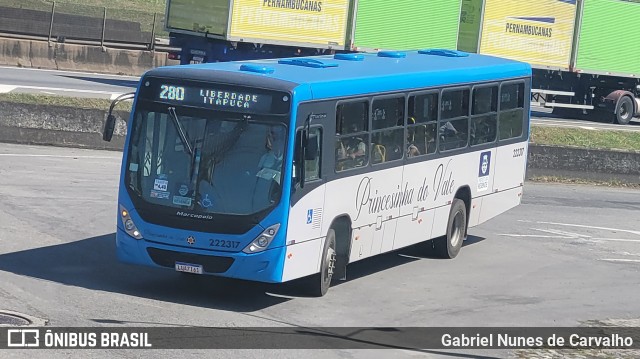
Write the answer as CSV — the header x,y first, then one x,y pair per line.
x,y
483,171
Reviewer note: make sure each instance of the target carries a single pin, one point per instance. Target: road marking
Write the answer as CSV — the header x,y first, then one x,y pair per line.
x,y
562,233
530,236
114,96
7,88
583,226
41,88
621,260
67,72
55,156
615,240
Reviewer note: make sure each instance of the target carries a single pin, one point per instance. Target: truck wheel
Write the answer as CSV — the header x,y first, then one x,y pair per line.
x,y
318,284
449,246
624,110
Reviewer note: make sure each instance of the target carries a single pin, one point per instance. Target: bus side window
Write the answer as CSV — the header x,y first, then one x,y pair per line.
x,y
352,136
511,116
387,142
484,119
312,167
454,119
422,124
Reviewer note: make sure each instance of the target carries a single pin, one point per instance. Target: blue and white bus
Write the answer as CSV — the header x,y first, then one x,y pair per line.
x,y
275,170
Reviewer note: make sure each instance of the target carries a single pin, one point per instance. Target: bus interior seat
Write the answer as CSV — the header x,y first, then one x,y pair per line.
x,y
379,153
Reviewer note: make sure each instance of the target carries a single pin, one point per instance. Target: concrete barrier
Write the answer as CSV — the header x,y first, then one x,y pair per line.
x,y
59,126
582,163
39,54
76,127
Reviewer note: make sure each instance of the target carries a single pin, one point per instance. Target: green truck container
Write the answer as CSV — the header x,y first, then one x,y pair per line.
x,y
405,24
609,38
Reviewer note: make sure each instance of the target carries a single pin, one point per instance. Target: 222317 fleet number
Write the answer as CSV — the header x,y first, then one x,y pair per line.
x,y
221,243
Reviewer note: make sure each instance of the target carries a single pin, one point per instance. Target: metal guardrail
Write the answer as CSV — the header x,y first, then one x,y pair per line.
x,y
58,21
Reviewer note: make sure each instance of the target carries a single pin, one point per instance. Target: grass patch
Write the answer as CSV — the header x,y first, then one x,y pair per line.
x,y
146,6
75,102
568,180
578,137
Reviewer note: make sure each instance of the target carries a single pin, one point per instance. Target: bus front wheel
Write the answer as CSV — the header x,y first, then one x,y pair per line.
x,y
318,284
449,245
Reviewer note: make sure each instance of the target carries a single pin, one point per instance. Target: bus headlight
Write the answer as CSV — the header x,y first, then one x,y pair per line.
x,y
263,240
129,226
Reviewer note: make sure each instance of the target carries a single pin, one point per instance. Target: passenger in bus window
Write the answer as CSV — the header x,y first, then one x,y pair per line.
x,y
351,151
394,141
412,149
447,130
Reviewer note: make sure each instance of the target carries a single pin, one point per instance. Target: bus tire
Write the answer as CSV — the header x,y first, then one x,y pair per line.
x,y
318,284
624,110
449,245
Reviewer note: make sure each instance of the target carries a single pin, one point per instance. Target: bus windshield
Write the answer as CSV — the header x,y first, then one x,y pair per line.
x,y
204,162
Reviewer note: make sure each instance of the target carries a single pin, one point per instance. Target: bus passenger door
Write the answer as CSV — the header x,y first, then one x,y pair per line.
x,y
304,229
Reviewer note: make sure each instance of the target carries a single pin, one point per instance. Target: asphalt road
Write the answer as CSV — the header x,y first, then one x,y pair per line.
x,y
568,254
63,83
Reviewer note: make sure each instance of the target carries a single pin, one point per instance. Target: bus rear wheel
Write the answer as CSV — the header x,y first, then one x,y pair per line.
x,y
318,284
449,245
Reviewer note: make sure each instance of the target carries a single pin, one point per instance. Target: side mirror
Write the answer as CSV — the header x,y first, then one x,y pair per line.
x,y
311,150
109,127
110,124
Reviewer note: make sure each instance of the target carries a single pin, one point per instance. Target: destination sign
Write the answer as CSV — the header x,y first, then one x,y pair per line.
x,y
216,97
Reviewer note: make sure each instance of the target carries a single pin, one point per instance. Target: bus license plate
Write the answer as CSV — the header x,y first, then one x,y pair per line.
x,y
188,268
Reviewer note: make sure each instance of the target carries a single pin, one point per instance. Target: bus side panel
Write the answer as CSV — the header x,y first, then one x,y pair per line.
x,y
539,32
474,214
508,182
500,202
440,220
509,166
407,24
305,237
413,228
609,38
368,200
435,184
416,217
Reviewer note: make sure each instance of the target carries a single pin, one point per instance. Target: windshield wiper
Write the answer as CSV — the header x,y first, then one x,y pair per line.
x,y
183,135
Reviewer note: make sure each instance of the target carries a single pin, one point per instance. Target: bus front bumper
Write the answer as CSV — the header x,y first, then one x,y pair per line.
x,y
262,267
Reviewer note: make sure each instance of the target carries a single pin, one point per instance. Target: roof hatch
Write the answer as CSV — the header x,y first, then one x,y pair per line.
x,y
443,52
392,54
349,57
306,62
261,69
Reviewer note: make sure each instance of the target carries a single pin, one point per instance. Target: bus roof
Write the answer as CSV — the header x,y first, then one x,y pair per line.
x,y
356,74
